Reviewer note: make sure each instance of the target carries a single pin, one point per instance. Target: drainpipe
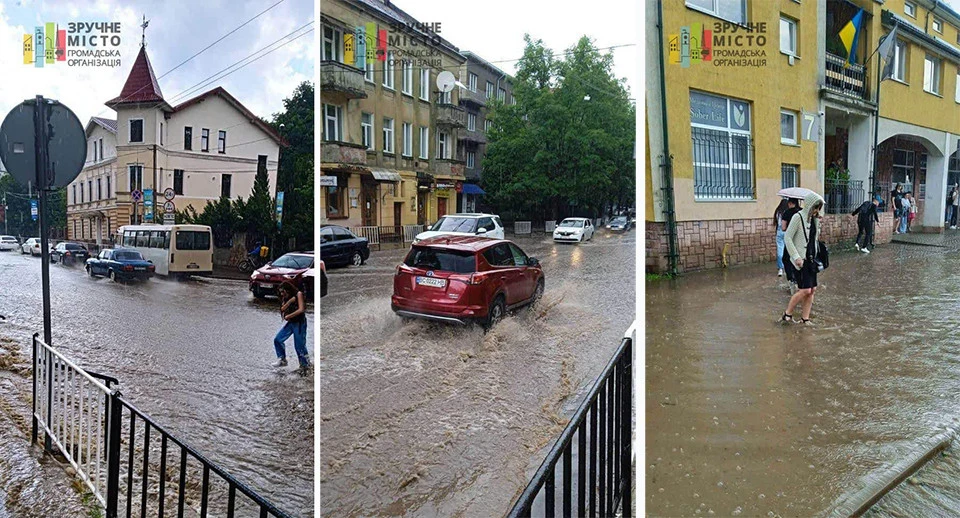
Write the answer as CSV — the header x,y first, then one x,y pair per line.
x,y
667,164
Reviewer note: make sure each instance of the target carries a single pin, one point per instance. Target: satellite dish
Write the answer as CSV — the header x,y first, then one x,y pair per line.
x,y
446,81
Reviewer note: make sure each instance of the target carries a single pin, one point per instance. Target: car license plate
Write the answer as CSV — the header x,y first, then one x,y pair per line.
x,y
193,266
430,281
140,268
266,285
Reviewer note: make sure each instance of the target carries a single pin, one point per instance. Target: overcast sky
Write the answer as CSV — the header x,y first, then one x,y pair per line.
x,y
494,29
177,30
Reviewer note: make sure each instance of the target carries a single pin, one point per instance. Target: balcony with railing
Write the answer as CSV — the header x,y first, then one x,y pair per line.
x,y
450,115
448,167
343,153
476,98
475,135
341,78
845,79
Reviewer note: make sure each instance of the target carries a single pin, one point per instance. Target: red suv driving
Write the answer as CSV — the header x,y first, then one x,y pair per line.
x,y
462,279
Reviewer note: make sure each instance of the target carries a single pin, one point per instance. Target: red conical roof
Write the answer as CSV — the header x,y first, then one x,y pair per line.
x,y
141,85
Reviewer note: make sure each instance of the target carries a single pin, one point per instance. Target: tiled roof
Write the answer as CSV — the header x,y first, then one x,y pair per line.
x,y
141,85
240,107
108,124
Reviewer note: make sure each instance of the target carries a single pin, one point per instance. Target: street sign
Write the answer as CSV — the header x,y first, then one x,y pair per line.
x,y
169,194
136,195
169,207
280,207
328,181
34,213
148,205
169,218
65,144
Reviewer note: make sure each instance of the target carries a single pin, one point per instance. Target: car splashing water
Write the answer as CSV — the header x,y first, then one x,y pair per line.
x,y
194,355
424,419
749,417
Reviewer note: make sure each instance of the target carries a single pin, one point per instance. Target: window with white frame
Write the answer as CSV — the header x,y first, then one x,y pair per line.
x,y
722,147
444,97
406,85
788,36
734,11
788,175
487,124
407,139
387,135
472,121
136,130
101,149
75,194
332,44
489,92
910,9
367,69
900,61
135,173
388,71
443,145
904,161
366,130
938,25
931,74
501,95
109,191
956,95
424,142
425,84
788,127
472,82
331,122
471,159
94,150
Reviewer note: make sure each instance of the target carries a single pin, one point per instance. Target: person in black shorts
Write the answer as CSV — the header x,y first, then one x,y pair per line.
x,y
801,243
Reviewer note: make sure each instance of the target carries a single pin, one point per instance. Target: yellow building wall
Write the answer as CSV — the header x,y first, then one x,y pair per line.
x,y
768,89
907,101
648,178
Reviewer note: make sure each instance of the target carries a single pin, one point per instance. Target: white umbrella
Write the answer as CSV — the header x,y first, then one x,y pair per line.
x,y
799,193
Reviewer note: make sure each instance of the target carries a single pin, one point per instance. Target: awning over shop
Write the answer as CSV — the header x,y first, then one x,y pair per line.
x,y
382,175
471,188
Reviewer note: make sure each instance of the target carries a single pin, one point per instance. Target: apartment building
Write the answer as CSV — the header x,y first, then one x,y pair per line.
x,y
204,148
483,85
389,135
756,96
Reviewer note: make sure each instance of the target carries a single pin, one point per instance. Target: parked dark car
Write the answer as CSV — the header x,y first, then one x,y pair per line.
x,y
289,267
69,253
339,247
120,264
463,279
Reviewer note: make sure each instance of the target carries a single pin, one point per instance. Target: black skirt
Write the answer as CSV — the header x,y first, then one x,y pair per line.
x,y
807,275
789,270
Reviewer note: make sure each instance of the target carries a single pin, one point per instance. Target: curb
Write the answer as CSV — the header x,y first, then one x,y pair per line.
x,y
877,485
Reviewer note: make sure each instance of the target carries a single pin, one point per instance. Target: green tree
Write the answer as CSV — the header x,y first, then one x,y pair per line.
x,y
295,176
18,219
567,146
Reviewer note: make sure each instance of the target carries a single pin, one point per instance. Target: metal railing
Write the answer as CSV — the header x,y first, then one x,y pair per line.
x,y
522,227
843,78
843,196
96,429
549,226
596,473
390,235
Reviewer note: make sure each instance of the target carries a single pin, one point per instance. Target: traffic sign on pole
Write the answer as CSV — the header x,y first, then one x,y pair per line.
x,y
33,210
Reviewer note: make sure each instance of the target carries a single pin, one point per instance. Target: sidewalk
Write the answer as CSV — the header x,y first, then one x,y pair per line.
x,y
946,239
230,273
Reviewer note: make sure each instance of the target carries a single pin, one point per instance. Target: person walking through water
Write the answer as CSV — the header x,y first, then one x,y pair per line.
x,y
801,243
293,310
781,228
955,202
788,270
866,217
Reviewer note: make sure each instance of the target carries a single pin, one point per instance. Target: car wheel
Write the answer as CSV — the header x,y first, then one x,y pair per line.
x,y
89,270
113,276
496,313
357,258
538,292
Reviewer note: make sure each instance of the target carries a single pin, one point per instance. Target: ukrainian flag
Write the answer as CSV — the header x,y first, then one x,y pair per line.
x,y
849,35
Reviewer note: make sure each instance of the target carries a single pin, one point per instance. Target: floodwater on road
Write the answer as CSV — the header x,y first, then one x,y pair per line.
x,y
748,417
423,419
194,355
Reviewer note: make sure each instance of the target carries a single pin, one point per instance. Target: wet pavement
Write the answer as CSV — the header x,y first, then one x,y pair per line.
x,y
195,355
932,491
423,419
748,417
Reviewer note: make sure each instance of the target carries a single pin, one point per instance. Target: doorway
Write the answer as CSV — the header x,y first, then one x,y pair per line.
x,y
369,209
397,213
421,208
441,208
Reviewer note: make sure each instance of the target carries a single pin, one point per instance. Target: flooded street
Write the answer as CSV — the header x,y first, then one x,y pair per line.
x,y
195,355
748,417
423,419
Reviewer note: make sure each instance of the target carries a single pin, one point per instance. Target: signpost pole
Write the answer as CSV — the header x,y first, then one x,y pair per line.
x,y
40,149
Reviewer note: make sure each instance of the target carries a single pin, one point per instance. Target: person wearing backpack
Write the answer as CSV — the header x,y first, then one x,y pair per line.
x,y
866,217
802,243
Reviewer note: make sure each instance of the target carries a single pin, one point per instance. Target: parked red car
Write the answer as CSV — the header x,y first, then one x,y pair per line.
x,y
289,267
463,279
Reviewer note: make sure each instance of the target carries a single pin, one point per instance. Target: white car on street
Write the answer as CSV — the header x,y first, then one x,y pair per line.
x,y
574,230
8,243
31,246
471,224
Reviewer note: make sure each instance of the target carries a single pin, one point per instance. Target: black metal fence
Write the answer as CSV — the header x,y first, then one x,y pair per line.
x,y
591,462
843,78
722,165
131,465
843,196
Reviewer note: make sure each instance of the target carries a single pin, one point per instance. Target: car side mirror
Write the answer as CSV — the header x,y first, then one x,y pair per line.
x,y
481,230
533,261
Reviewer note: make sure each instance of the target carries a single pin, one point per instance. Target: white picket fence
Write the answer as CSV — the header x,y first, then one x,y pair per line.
x,y
522,227
550,226
380,235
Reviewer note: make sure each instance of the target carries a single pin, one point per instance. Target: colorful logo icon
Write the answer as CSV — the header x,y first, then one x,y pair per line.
x,y
692,44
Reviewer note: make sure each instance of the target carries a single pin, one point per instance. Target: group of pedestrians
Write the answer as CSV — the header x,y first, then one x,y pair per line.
x,y
798,231
953,206
904,209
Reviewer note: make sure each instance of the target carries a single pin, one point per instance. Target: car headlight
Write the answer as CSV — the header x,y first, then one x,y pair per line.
x,y
253,276
290,276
